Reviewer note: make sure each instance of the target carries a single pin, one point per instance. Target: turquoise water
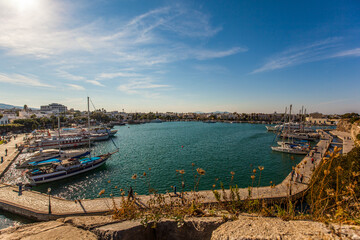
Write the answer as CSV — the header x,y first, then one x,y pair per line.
x,y
166,147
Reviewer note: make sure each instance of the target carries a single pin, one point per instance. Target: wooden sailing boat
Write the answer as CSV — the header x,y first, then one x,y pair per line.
x,y
56,169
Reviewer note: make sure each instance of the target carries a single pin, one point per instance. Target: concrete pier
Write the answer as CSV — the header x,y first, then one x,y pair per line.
x,y
35,205
12,152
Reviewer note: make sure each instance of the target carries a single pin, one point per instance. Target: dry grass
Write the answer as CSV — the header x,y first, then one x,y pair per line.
x,y
333,195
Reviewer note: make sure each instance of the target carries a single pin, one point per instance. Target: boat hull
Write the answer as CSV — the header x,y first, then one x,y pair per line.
x,y
55,176
288,150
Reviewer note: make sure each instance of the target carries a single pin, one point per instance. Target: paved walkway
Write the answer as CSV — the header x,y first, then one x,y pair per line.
x,y
348,143
36,204
12,152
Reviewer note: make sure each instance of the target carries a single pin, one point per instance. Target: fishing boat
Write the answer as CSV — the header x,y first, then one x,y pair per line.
x,y
102,130
301,136
290,148
56,142
56,168
40,157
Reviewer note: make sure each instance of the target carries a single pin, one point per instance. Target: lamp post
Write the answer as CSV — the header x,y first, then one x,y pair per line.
x,y
48,191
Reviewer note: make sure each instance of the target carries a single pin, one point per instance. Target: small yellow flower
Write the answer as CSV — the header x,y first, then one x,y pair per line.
x,y
109,181
101,192
116,186
232,173
134,176
213,185
339,168
252,177
200,171
111,194
254,171
193,164
261,168
144,174
182,171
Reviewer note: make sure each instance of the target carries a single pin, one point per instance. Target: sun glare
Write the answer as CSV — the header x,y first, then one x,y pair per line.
x,y
24,5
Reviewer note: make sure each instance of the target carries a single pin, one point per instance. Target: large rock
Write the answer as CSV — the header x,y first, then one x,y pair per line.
x,y
192,228
252,227
46,230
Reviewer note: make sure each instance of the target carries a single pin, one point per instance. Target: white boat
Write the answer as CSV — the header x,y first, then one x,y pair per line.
x,y
290,126
290,148
156,121
287,147
56,169
99,130
62,142
59,169
39,157
99,136
301,136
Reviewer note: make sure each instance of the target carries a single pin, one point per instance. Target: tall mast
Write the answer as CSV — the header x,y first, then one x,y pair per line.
x,y
89,122
59,133
290,117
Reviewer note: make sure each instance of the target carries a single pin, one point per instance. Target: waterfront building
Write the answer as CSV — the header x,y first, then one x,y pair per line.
x,y
322,121
4,120
54,107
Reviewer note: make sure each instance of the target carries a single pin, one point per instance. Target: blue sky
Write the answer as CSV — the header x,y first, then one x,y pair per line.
x,y
244,56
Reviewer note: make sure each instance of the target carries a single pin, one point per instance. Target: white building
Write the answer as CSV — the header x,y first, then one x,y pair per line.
x,y
4,120
54,107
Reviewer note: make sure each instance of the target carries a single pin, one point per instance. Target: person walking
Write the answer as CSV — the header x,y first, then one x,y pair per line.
x,y
292,175
5,152
301,178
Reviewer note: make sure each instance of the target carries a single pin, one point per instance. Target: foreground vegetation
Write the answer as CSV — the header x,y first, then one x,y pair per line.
x,y
332,196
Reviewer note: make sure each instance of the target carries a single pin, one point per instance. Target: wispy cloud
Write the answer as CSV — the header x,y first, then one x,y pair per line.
x,y
117,74
348,53
299,55
96,83
91,52
137,86
69,76
22,80
143,39
75,87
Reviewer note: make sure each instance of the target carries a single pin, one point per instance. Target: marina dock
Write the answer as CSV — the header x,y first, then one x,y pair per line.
x,y
41,206
12,152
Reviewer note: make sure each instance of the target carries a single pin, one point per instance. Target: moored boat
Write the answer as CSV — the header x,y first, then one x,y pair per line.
x,y
56,169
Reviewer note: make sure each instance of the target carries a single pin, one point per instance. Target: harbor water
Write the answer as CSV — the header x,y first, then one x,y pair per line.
x,y
159,149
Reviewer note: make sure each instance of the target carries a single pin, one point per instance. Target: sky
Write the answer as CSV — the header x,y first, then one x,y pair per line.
x,y
181,56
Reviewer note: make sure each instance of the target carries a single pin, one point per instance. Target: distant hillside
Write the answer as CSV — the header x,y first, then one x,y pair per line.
x,y
8,106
